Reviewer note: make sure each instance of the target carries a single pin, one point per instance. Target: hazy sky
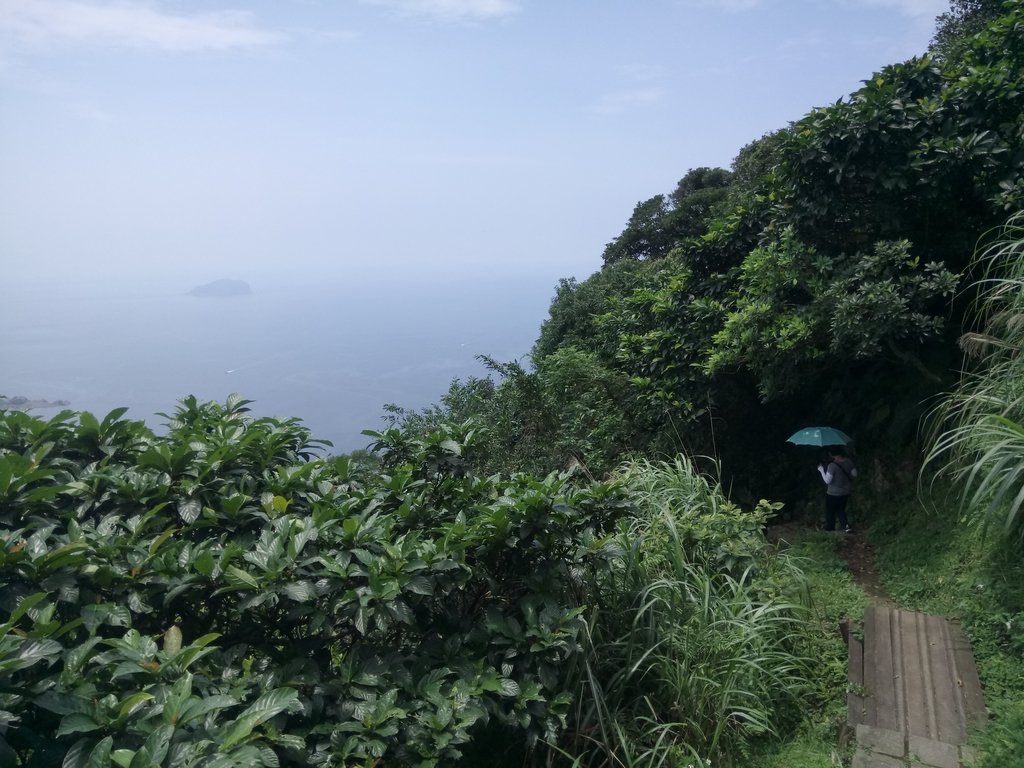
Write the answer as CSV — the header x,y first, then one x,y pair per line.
x,y
476,137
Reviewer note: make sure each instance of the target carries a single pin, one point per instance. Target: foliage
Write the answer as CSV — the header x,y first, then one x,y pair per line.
x,y
662,330
926,151
219,596
963,20
659,223
645,236
688,653
827,258
796,308
831,597
979,436
1002,743
576,306
571,411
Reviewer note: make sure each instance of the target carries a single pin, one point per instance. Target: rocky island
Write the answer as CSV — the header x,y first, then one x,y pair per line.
x,y
222,288
20,403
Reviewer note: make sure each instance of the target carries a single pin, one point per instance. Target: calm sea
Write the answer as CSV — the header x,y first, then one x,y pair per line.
x,y
331,352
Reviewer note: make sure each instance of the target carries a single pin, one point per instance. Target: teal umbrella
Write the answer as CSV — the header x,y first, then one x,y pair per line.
x,y
820,436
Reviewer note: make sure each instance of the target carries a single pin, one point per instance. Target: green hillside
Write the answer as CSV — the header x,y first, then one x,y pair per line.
x,y
606,556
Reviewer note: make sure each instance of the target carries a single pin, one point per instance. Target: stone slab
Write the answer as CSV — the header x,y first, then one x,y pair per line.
x,y
881,740
934,754
864,759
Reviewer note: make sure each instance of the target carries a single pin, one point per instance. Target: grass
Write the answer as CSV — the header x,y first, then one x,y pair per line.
x,y
933,560
690,655
820,740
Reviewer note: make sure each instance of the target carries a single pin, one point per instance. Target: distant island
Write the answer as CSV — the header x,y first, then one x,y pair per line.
x,y
19,403
225,287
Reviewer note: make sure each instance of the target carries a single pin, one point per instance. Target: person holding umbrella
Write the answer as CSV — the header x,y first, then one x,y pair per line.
x,y
838,477
839,473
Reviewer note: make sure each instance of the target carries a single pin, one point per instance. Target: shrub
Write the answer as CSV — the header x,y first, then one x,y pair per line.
x,y
222,596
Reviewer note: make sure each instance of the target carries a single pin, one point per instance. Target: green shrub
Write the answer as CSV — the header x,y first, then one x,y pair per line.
x,y
220,596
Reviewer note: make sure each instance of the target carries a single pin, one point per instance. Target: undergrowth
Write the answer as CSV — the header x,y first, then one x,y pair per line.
x,y
932,559
689,655
831,596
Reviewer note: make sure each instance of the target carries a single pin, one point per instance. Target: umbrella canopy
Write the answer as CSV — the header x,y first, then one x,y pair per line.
x,y
820,436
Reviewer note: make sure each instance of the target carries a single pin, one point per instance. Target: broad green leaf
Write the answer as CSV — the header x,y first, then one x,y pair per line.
x,y
299,591
100,756
196,708
61,556
161,539
205,563
76,756
420,585
189,510
194,651
509,687
154,750
133,702
264,708
180,693
240,578
32,651
23,607
104,613
76,722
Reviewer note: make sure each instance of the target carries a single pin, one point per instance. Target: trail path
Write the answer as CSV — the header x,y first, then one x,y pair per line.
x,y
914,688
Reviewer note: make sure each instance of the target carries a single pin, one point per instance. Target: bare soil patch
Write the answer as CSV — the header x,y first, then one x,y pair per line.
x,y
859,557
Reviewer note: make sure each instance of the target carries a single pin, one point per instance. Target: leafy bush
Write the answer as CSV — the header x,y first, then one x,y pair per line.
x,y
220,596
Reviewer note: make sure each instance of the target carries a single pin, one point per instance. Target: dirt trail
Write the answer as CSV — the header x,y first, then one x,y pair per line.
x,y
854,550
858,555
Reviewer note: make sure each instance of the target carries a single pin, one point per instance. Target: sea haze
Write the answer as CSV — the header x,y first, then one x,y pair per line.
x,y
327,350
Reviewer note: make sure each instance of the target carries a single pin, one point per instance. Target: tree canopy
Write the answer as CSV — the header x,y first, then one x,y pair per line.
x,y
835,249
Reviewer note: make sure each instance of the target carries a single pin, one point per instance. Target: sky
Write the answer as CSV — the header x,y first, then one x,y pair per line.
x,y
405,138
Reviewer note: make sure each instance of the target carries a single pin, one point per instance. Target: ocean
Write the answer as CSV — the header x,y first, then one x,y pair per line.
x,y
330,351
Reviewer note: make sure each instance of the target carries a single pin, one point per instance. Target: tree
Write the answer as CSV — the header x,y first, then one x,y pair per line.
x,y
797,309
963,19
644,236
929,150
574,316
659,224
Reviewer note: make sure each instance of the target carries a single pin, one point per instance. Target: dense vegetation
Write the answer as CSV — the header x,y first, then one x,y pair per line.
x,y
834,253
531,571
219,596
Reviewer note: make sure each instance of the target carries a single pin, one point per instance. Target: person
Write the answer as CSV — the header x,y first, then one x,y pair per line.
x,y
838,477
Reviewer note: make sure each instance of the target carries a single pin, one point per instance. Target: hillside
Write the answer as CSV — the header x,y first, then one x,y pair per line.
x,y
566,563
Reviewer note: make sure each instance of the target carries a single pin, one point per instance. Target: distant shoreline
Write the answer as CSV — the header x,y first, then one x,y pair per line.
x,y
20,403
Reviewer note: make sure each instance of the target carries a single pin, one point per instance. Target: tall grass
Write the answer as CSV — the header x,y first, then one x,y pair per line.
x,y
687,657
978,431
